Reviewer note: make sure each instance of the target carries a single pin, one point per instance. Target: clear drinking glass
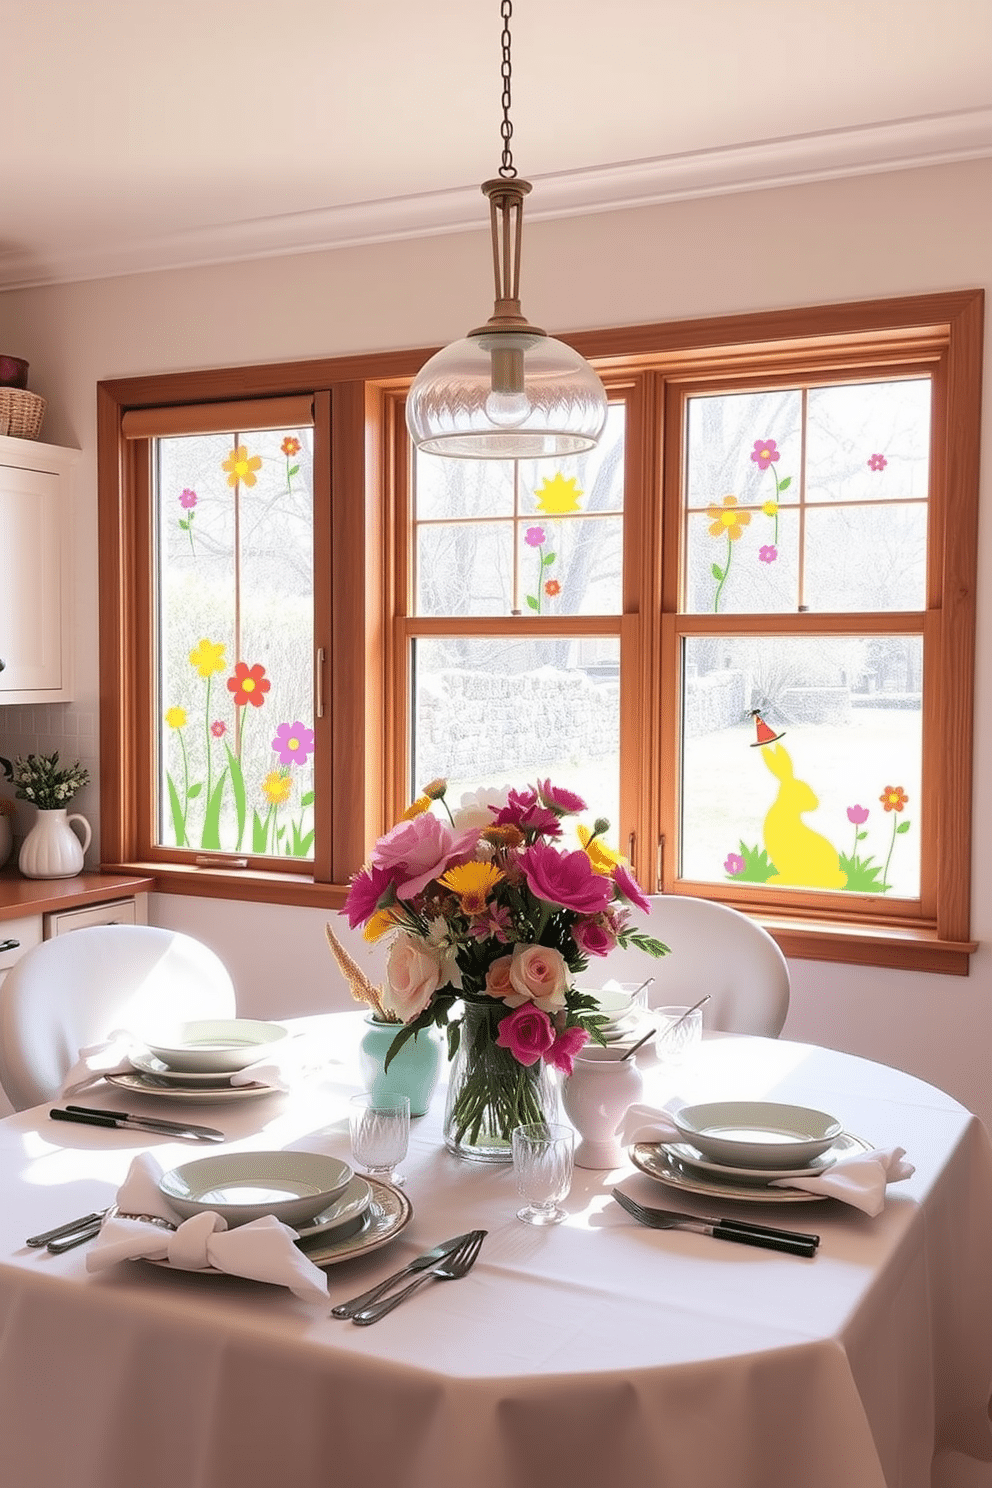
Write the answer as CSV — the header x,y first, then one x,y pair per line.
x,y
380,1133
542,1162
679,1031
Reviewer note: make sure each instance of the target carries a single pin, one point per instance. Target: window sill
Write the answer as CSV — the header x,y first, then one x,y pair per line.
x,y
902,948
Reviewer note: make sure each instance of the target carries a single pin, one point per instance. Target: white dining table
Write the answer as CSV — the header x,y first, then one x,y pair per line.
x,y
592,1354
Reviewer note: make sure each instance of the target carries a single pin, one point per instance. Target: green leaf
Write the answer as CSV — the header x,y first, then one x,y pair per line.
x,y
293,470
903,827
211,824
178,815
307,798
260,831
184,525
783,485
533,602
238,785
194,791
717,572
861,837
548,558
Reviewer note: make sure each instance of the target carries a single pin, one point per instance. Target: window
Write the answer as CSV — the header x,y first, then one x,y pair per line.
x,y
742,627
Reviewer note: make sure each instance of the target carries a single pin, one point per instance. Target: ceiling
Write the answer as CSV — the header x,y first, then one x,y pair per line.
x,y
144,135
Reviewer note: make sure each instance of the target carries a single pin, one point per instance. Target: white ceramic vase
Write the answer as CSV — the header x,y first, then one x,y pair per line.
x,y
596,1096
51,849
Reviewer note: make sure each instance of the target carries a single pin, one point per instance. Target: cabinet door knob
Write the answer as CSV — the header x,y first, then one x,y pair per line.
x,y
9,945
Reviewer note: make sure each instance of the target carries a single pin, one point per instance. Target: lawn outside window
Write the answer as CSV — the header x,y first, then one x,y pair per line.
x,y
745,621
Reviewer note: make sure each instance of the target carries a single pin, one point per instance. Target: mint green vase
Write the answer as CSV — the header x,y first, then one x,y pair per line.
x,y
414,1071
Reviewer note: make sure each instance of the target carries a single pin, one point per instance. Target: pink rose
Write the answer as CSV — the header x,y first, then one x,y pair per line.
x,y
498,977
537,974
416,851
527,1033
565,878
594,937
413,975
564,1049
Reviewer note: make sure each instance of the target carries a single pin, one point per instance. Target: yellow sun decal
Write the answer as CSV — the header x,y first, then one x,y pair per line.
x,y
558,495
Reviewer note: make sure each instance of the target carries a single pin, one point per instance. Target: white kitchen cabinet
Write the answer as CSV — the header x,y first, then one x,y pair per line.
x,y
131,911
36,531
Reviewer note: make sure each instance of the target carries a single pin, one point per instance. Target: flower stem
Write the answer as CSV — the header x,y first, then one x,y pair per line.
x,y
726,570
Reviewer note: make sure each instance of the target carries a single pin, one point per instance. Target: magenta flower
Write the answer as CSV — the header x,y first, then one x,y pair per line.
x,y
523,810
594,937
557,798
629,888
367,888
495,922
534,537
527,1032
567,1044
858,815
565,878
416,851
877,462
293,743
768,553
187,499
764,453
733,864
218,728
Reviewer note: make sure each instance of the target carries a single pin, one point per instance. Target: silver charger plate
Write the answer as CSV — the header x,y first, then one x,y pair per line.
x,y
142,1084
845,1146
653,1160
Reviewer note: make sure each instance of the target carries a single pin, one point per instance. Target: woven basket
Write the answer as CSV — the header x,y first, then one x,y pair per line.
x,y
21,413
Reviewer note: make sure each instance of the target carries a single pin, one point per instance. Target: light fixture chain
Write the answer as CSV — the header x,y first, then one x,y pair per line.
x,y
507,167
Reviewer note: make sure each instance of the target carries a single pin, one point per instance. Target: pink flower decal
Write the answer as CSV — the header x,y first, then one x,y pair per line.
x,y
567,1044
187,499
218,729
567,879
293,743
421,849
877,462
765,453
857,815
534,537
768,553
733,864
629,888
527,1032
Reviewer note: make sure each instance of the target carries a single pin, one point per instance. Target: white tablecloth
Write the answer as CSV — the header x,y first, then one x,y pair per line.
x,y
597,1353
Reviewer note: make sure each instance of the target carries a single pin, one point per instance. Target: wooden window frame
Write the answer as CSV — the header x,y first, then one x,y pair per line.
x,y
363,611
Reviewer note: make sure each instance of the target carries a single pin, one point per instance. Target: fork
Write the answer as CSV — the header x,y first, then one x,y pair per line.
x,y
457,1265
792,1242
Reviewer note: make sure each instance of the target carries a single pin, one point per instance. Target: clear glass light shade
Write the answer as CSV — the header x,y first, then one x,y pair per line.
x,y
504,395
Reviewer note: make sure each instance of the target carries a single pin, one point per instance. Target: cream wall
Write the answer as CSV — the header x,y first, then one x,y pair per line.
x,y
902,233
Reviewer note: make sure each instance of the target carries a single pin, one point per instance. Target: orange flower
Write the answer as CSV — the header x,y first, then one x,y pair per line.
x,y
290,446
552,587
728,520
893,798
249,685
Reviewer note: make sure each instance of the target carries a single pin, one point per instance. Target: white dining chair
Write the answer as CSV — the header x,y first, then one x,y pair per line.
x,y
76,989
714,950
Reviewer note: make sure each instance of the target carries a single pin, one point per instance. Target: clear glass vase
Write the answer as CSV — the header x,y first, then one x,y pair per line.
x,y
490,1093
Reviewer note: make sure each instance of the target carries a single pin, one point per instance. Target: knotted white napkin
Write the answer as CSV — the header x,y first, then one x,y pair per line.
x,y
859,1180
264,1250
97,1060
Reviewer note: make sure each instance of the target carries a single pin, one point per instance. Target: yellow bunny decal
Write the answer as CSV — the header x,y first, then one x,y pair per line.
x,y
802,857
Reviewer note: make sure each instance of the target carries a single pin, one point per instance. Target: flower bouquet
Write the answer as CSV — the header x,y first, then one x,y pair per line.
x,y
490,916
38,778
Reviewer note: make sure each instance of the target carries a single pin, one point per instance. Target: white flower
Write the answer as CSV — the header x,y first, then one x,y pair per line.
x,y
473,810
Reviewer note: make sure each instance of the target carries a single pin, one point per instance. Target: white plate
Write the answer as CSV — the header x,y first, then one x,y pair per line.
x,y
656,1163
757,1134
388,1212
148,1063
346,1210
242,1186
214,1045
845,1146
142,1084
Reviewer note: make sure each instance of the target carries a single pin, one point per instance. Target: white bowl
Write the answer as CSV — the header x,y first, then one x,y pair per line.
x,y
242,1186
757,1134
214,1045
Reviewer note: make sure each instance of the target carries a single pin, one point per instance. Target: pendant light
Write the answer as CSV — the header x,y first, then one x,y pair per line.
x,y
507,390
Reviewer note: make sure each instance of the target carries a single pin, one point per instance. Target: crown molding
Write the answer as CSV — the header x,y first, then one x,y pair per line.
x,y
901,144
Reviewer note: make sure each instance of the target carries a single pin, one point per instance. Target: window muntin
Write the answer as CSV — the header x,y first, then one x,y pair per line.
x,y
234,604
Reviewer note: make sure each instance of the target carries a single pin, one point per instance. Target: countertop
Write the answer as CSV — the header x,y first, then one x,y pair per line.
x,y
26,896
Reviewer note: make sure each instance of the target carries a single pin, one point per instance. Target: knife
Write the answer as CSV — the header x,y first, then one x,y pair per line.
x,y
90,1117
421,1263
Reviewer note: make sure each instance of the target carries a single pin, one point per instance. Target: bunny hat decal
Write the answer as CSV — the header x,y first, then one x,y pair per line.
x,y
801,856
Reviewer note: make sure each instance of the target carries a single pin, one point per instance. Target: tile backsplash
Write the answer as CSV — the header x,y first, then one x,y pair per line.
x,y
42,728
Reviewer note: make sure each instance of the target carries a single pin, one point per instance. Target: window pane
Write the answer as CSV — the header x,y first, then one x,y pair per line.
x,y
803,811
500,537
869,441
720,444
234,516
492,711
871,557
745,567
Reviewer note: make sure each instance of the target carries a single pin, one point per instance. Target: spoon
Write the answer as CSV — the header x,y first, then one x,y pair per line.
x,y
634,1047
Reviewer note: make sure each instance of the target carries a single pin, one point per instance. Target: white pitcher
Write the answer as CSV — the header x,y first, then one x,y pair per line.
x,y
596,1096
51,849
